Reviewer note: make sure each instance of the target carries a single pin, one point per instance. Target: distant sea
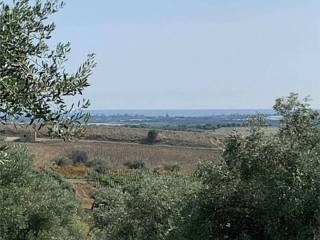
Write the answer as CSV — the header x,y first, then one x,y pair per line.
x,y
182,112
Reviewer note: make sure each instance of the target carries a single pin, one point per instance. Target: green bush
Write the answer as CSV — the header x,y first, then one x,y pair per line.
x,y
152,137
120,181
78,157
35,205
266,187
100,166
148,208
174,167
63,161
136,165
75,157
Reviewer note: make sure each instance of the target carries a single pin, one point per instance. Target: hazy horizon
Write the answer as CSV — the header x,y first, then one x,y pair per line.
x,y
187,54
180,112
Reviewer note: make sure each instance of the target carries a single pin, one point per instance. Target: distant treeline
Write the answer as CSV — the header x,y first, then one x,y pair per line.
x,y
183,127
178,123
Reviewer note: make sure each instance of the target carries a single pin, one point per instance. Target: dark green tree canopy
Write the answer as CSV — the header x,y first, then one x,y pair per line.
x,y
34,82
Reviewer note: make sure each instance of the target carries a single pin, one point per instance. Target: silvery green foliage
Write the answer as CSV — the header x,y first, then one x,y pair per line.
x,y
36,205
34,82
3,154
148,208
267,186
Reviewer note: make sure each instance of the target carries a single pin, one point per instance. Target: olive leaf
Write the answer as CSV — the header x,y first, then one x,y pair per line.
x,y
34,82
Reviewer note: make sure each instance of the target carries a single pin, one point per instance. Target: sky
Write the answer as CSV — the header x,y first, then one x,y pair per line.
x,y
194,54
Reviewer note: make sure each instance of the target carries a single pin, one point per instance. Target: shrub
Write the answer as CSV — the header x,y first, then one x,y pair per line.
x,y
35,205
78,157
63,161
136,164
121,181
100,166
172,167
149,208
152,137
75,157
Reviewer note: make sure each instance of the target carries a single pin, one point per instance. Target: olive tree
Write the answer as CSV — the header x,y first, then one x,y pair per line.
x,y
266,186
37,204
35,85
146,208
34,82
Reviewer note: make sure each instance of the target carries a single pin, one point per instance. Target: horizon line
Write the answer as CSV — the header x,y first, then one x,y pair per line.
x,y
170,109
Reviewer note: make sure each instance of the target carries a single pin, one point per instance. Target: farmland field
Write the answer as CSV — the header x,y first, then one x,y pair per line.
x,y
120,153
132,135
119,145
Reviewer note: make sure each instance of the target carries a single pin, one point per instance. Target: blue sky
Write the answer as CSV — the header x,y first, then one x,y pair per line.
x,y
201,54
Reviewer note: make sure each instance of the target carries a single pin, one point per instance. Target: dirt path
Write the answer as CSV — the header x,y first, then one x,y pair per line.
x,y
84,192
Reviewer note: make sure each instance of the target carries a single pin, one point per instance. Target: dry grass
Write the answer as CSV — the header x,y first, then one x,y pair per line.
x,y
175,138
119,153
119,145
184,149
132,135
71,171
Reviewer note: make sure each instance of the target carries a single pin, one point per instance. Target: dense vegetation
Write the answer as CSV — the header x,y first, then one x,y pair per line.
x,y
37,204
34,85
264,187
